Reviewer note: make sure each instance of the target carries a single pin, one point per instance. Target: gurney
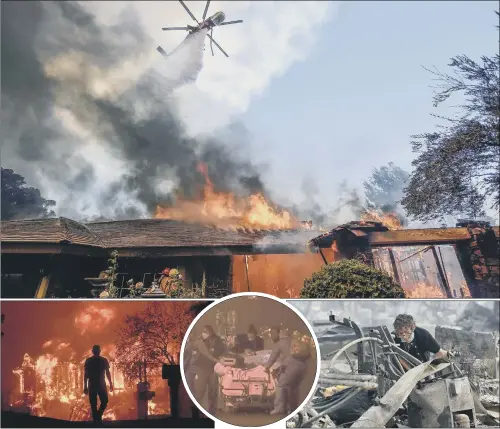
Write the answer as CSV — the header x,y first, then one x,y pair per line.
x,y
245,387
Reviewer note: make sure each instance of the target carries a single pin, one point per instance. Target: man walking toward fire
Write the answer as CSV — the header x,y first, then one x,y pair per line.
x,y
95,384
416,341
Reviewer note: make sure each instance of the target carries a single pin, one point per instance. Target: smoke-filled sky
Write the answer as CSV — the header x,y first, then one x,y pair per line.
x,y
101,123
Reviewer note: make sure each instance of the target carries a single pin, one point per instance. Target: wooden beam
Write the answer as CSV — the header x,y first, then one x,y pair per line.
x,y
52,249
160,252
41,291
419,236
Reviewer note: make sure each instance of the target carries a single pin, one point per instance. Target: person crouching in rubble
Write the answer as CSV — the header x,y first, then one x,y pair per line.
x,y
210,349
416,341
292,358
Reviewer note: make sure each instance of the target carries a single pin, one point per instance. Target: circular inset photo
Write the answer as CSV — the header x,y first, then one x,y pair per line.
x,y
250,360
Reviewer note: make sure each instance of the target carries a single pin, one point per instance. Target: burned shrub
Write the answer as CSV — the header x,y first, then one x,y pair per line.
x,y
350,278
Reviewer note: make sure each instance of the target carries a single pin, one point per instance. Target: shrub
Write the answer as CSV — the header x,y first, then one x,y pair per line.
x,y
350,278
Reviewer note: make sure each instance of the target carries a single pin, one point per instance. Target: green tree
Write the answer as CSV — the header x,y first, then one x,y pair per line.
x,y
457,170
19,201
350,278
385,187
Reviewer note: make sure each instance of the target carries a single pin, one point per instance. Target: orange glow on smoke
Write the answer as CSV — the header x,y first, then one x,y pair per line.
x,y
225,210
390,220
94,319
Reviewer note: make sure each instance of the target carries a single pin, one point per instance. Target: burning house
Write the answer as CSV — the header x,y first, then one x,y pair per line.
x,y
43,369
53,257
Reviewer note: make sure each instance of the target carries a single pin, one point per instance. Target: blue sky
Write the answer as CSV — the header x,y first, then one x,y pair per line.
x,y
354,102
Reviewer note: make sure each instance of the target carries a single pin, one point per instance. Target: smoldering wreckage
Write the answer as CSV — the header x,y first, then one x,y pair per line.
x,y
363,384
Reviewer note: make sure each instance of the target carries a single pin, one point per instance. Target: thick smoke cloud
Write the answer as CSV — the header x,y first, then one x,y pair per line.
x,y
68,101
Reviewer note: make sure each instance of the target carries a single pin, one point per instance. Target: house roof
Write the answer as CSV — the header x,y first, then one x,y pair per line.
x,y
170,233
358,228
378,235
145,233
55,230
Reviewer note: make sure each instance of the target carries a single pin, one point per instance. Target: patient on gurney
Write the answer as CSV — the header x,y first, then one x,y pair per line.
x,y
248,343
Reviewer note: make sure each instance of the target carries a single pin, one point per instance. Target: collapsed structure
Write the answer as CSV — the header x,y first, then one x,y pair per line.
x,y
53,257
363,383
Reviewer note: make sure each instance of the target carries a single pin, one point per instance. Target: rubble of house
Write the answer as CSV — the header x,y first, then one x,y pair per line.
x,y
53,257
362,382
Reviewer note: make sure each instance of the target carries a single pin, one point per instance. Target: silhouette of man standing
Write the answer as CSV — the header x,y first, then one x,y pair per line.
x,y
95,384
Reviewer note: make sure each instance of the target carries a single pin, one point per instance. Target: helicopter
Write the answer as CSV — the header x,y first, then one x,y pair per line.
x,y
217,19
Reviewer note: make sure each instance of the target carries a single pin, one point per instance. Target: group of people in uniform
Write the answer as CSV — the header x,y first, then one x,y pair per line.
x,y
203,353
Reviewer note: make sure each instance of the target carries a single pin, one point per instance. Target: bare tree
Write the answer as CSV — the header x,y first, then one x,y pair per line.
x,y
154,335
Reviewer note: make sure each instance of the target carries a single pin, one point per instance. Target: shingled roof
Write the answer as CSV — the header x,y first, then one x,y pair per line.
x,y
146,233
58,230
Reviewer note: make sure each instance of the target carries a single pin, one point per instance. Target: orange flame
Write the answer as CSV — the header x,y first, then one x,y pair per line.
x,y
423,290
390,220
51,385
225,210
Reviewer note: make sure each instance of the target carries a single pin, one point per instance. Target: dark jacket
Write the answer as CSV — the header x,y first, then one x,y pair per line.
x,y
421,346
209,350
243,343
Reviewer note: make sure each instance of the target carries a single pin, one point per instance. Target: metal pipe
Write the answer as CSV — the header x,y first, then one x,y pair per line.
x,y
442,276
323,256
365,385
246,269
358,377
394,266
359,340
331,409
406,356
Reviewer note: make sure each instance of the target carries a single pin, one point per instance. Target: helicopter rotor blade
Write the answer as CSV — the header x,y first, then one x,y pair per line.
x,y
175,28
188,11
239,21
211,42
205,11
162,51
216,44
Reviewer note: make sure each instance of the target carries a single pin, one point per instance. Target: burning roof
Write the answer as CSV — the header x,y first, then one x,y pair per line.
x,y
146,233
378,234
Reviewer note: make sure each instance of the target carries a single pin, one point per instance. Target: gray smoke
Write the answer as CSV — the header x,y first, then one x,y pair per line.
x,y
477,316
59,65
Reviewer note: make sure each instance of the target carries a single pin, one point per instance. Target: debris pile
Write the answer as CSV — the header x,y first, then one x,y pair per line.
x,y
363,383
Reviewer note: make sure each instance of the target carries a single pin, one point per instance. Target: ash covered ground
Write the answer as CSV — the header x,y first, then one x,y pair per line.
x,y
469,329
